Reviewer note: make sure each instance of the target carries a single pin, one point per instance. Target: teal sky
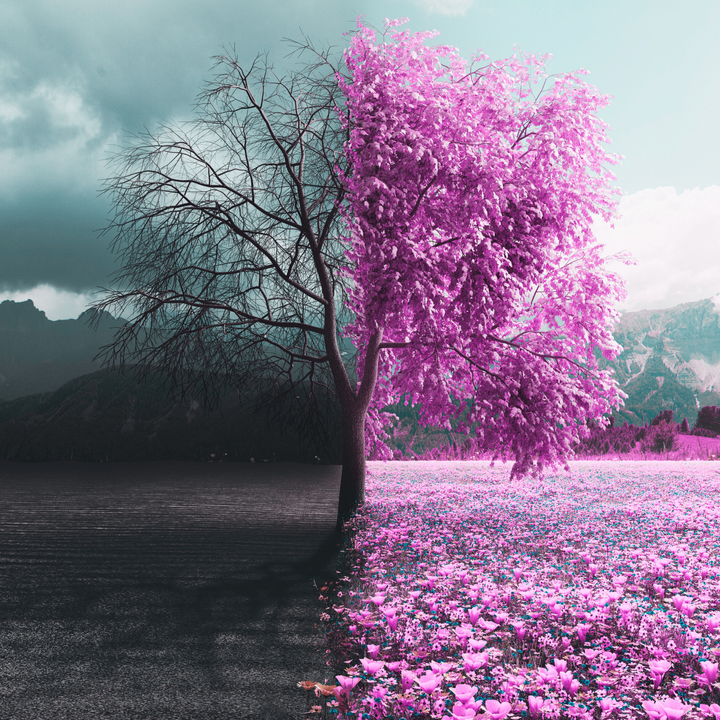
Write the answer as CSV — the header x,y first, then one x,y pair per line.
x,y
75,75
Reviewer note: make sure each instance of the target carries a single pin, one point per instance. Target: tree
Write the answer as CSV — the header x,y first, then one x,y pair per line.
x,y
708,419
436,215
470,198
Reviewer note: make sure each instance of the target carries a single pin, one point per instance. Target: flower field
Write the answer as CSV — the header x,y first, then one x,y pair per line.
x,y
589,594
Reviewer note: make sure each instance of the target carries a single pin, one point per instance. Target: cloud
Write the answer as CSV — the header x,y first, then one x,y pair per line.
x,y
675,240
56,304
50,135
449,8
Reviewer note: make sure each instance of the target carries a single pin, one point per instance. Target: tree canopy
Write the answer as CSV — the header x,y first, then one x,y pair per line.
x,y
471,192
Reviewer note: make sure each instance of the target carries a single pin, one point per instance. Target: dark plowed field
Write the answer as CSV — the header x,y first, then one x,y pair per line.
x,y
158,591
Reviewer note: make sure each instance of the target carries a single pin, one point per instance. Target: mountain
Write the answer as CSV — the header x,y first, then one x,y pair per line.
x,y
670,360
109,416
58,404
39,355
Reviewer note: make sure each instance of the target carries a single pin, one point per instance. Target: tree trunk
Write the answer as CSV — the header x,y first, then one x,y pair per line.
x,y
354,409
352,480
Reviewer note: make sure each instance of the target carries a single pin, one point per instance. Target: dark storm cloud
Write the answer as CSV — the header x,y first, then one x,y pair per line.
x,y
75,76
53,243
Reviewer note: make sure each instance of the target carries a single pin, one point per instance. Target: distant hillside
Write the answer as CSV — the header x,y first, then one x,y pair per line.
x,y
39,355
670,360
54,408
106,416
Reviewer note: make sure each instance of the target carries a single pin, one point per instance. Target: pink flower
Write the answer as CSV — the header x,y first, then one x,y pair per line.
x,y
520,629
473,661
711,710
710,671
441,667
713,623
464,693
674,709
463,712
535,705
407,678
582,631
428,682
463,633
566,677
474,615
372,651
487,625
547,675
371,666
654,710
497,710
658,668
377,599
608,704
679,601
347,683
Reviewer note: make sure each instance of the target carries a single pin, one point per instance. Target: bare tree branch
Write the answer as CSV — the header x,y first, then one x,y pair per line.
x,y
231,243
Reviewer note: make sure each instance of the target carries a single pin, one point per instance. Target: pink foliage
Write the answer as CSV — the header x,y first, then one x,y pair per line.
x,y
470,197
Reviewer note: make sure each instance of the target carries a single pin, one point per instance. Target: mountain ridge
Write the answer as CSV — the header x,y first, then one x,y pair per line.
x,y
670,359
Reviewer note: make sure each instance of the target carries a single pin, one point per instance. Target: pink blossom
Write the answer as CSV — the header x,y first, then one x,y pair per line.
x,y
477,644
673,708
582,631
713,710
497,710
474,615
473,661
710,670
535,705
608,704
371,666
569,683
407,678
654,710
464,693
347,683
658,668
463,712
476,274
429,681
463,633
520,629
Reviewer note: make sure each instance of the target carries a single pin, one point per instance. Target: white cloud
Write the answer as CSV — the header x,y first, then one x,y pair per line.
x,y
450,8
56,304
675,240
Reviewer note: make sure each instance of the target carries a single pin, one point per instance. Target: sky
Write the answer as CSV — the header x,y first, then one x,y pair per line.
x,y
77,77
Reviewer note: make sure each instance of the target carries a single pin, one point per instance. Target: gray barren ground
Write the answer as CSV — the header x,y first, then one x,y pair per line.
x,y
162,590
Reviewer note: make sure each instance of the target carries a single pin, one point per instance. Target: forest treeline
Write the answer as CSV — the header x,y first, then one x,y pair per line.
x,y
409,440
